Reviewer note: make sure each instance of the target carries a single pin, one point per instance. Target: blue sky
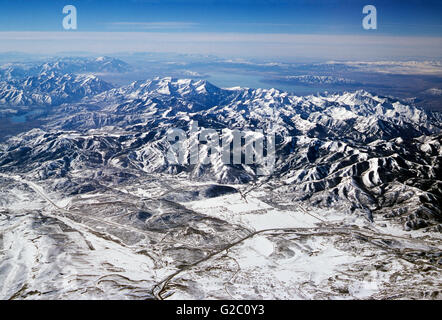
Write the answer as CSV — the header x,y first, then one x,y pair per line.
x,y
269,16
338,19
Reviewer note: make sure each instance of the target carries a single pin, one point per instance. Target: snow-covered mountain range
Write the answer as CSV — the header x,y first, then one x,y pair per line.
x,y
14,71
354,147
359,159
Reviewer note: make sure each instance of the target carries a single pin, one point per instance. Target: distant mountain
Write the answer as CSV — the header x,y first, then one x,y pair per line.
x,y
49,89
434,92
61,66
88,65
313,81
310,79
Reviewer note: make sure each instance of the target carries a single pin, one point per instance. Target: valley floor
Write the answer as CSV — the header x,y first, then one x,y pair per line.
x,y
136,242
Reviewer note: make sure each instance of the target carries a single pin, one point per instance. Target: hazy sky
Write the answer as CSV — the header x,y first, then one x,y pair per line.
x,y
316,29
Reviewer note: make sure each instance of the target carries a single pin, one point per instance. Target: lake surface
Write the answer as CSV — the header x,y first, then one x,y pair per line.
x,y
22,118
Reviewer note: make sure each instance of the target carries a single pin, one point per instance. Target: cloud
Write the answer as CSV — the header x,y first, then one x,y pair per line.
x,y
289,47
397,67
154,25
